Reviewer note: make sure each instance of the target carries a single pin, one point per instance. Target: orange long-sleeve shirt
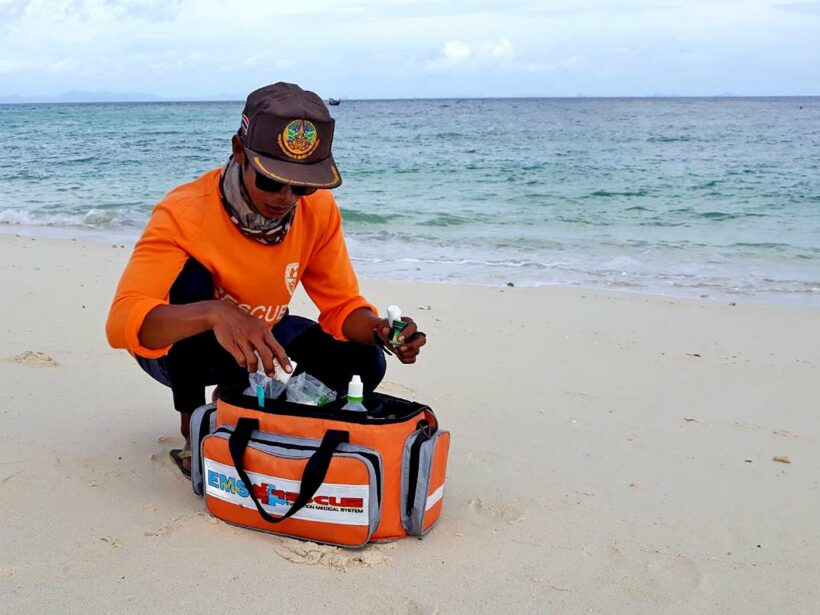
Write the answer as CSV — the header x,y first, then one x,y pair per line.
x,y
191,222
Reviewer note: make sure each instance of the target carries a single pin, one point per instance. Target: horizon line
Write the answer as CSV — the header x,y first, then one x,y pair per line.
x,y
158,100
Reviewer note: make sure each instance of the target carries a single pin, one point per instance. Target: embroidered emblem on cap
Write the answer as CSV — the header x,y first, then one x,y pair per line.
x,y
299,139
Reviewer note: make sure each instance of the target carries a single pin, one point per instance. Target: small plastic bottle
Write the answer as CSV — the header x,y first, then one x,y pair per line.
x,y
397,325
279,373
262,385
355,395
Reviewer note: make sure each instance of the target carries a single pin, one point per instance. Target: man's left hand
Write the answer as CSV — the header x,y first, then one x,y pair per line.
x,y
410,340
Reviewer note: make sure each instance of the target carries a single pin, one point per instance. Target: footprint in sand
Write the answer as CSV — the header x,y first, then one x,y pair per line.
x,y
176,523
580,395
645,575
112,542
485,456
511,513
29,358
311,554
674,576
395,388
162,457
402,605
611,553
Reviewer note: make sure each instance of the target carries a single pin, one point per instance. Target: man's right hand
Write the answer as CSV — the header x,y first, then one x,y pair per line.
x,y
237,331
241,334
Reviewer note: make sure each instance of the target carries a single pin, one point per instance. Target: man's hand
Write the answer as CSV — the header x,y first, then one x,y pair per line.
x,y
241,334
365,327
237,331
410,339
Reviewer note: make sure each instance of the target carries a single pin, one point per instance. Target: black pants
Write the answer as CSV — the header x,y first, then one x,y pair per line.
x,y
199,361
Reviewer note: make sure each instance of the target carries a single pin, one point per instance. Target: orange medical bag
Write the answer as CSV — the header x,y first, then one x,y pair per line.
x,y
321,473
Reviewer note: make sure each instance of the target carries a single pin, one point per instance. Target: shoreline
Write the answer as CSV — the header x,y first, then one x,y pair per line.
x,y
127,239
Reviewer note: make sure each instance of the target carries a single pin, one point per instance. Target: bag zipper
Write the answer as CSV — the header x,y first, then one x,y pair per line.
x,y
286,408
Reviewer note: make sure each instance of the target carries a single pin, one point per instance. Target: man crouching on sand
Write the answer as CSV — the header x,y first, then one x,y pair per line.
x,y
209,281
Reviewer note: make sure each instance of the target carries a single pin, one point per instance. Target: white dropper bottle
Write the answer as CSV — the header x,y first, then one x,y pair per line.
x,y
355,395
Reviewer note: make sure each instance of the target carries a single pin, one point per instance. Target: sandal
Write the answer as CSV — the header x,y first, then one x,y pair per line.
x,y
179,455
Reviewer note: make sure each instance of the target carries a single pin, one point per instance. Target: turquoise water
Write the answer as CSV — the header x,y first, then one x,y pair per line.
x,y
716,197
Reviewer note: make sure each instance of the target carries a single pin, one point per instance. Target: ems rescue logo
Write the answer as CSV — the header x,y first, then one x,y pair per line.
x,y
292,277
299,139
338,503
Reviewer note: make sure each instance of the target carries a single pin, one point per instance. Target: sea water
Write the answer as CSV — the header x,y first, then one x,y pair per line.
x,y
716,197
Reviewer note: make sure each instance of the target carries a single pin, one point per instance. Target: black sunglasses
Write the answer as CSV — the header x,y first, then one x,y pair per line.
x,y
266,184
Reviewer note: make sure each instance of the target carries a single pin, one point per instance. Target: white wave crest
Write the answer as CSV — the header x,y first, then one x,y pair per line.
x,y
94,218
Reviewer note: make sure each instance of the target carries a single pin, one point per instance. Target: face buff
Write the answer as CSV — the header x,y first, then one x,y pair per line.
x,y
250,222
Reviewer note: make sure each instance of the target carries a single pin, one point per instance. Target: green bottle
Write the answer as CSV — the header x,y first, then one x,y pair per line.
x,y
397,325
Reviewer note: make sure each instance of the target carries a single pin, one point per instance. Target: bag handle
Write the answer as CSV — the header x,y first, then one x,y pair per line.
x,y
312,477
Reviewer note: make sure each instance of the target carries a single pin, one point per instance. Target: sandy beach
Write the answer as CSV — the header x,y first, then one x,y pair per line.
x,y
612,453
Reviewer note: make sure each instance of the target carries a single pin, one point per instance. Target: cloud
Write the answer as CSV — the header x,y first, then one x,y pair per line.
x,y
806,8
12,9
409,48
149,10
61,66
12,65
265,59
460,54
501,49
456,52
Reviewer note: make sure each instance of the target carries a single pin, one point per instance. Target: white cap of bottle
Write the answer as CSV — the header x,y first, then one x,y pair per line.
x,y
355,390
279,374
393,313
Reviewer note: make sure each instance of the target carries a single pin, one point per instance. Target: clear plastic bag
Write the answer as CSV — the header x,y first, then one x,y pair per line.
x,y
272,388
305,389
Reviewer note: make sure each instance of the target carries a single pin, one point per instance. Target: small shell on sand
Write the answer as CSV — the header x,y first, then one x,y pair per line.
x,y
781,459
30,358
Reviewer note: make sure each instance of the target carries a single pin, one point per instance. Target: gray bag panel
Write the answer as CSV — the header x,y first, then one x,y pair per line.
x,y
405,478
425,468
199,429
431,449
413,522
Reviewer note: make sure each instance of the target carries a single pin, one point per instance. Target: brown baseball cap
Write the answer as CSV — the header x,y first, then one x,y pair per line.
x,y
287,133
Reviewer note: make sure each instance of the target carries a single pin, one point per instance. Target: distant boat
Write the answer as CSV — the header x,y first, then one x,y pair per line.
x,y
334,102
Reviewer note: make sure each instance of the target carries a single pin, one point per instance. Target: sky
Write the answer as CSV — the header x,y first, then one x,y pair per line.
x,y
182,49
